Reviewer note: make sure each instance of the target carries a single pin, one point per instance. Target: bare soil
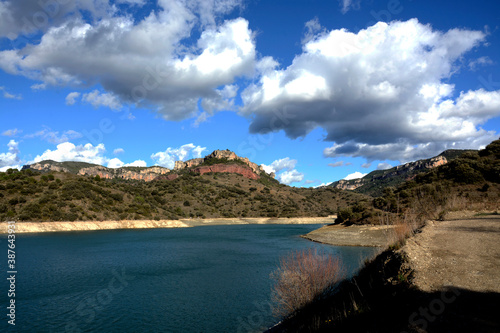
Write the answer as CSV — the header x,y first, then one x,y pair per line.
x,y
354,235
462,253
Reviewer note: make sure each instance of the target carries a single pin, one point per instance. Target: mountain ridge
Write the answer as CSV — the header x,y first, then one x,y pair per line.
x,y
374,182
197,165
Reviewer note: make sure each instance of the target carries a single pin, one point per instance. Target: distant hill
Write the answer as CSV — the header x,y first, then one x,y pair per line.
x,y
374,183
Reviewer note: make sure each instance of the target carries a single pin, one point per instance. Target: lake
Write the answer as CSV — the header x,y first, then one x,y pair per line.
x,y
202,279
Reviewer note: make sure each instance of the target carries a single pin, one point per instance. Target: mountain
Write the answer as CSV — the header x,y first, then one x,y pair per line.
x,y
219,161
221,184
374,183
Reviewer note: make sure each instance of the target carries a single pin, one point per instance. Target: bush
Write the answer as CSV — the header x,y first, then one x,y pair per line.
x,y
303,277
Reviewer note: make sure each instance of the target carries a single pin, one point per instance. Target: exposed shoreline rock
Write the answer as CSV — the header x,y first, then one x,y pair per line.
x,y
37,227
354,235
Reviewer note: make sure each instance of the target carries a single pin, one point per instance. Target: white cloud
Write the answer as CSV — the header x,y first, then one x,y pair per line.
x,y
117,163
10,160
292,176
54,137
380,93
11,132
118,151
67,151
384,166
98,99
281,164
72,97
168,157
284,170
355,175
151,63
323,184
313,28
366,165
137,163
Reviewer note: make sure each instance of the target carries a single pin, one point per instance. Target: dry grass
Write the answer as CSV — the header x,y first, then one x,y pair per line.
x,y
303,277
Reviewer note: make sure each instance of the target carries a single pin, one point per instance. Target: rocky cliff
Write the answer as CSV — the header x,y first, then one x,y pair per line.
x,y
375,180
46,166
218,161
220,155
227,168
146,174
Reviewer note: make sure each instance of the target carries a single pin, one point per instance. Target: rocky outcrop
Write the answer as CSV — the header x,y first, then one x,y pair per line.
x,y
402,172
219,154
423,164
46,167
146,174
350,184
227,168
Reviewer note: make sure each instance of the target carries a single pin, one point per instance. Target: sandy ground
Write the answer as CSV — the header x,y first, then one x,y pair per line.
x,y
463,253
33,227
355,235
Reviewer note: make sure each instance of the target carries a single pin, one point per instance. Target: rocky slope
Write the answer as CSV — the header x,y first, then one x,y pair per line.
x,y
375,181
219,155
146,174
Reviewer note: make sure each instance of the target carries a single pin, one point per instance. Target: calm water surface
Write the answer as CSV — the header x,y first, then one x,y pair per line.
x,y
204,279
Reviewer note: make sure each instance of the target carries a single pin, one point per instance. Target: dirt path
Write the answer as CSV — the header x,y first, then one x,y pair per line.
x,y
463,253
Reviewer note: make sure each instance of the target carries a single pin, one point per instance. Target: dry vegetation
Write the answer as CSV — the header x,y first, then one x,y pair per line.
x,y
302,278
31,196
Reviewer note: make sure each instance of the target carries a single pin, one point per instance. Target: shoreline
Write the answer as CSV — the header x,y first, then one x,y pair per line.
x,y
65,226
354,235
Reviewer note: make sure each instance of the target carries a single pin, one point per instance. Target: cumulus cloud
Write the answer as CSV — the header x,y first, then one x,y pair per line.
x,y
89,153
292,176
150,63
68,151
118,151
72,97
98,99
284,169
355,175
117,163
381,93
10,159
18,17
168,157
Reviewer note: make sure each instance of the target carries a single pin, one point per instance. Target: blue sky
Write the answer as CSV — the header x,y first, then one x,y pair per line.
x,y
315,90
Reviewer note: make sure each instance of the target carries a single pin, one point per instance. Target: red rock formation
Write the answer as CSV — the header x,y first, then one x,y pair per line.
x,y
227,168
168,177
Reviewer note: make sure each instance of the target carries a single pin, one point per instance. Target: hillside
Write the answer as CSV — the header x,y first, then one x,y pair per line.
x,y
374,183
216,187
468,182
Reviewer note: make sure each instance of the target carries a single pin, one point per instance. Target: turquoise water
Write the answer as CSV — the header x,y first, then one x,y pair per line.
x,y
204,279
